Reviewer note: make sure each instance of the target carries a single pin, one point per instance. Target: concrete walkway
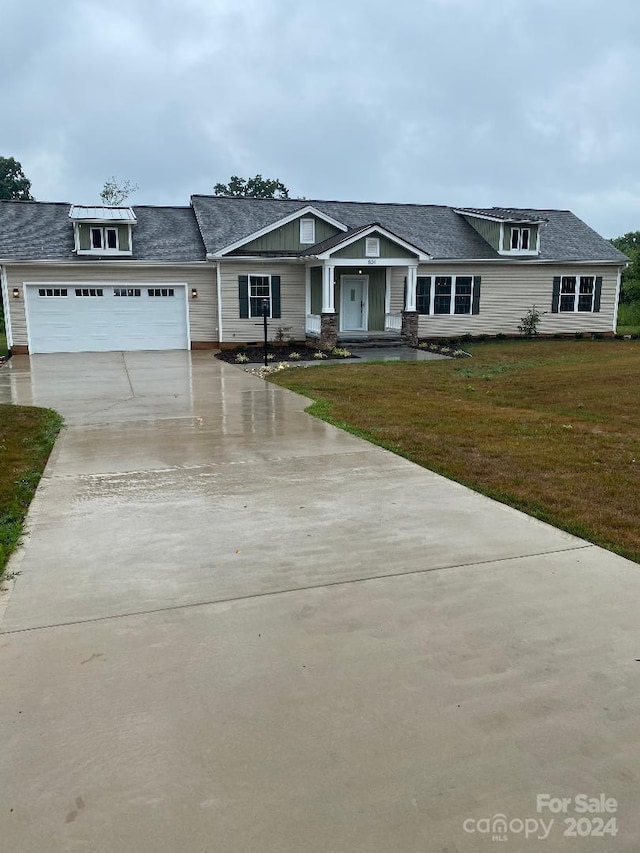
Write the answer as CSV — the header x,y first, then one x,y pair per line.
x,y
236,628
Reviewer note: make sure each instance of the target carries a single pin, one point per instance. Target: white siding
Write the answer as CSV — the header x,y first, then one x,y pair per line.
x,y
203,314
507,292
292,295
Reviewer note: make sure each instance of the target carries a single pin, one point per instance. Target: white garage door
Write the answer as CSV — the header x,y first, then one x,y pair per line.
x,y
100,318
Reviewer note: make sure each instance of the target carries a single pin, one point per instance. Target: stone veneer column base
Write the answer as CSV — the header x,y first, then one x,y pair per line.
x,y
410,327
328,331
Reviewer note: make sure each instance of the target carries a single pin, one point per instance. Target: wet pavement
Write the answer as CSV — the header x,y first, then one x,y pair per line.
x,y
235,627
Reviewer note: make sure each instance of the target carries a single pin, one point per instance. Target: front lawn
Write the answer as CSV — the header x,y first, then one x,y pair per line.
x,y
549,427
27,436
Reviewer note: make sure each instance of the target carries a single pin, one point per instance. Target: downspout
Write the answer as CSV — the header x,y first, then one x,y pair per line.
x,y
615,310
5,306
219,290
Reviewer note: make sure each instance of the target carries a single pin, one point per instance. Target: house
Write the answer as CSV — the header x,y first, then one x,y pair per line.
x,y
77,278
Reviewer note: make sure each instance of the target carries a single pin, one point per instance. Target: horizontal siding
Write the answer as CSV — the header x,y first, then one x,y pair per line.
x,y
507,292
292,292
203,314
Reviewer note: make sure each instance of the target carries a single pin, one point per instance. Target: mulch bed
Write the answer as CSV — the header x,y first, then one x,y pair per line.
x,y
256,354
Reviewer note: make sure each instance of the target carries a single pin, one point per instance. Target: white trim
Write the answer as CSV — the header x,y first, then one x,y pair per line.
x,y
498,218
306,221
617,305
187,294
410,300
452,296
26,316
387,290
219,290
4,286
363,234
297,214
249,297
328,290
372,247
373,262
365,298
576,295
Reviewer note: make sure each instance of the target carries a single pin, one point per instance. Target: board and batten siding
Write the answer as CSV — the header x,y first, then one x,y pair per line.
x,y
487,229
292,300
507,292
287,237
203,311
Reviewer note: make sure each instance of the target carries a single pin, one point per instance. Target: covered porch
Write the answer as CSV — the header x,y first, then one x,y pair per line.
x,y
361,302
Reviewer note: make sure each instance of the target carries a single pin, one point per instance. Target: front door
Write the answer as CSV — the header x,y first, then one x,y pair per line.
x,y
353,303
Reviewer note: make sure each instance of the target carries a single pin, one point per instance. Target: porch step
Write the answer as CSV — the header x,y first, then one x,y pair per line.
x,y
372,340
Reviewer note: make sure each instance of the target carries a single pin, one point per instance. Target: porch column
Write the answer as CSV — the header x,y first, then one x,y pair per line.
x,y
328,320
328,306
412,282
410,313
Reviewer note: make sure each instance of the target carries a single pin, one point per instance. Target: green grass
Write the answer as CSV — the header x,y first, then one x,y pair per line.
x,y
27,436
629,318
549,427
3,344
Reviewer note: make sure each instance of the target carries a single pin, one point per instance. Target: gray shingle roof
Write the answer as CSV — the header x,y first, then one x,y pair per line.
x,y
39,231
435,229
43,231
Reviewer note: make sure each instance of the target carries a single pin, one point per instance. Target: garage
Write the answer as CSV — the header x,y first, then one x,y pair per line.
x,y
99,317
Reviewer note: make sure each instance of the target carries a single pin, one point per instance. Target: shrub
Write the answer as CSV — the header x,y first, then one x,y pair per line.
x,y
340,352
241,358
319,355
295,356
530,322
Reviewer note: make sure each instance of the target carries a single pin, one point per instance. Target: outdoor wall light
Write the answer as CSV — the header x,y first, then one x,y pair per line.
x,y
194,293
359,272
16,293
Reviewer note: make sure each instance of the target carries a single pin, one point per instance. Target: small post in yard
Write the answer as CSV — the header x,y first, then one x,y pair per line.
x,y
265,315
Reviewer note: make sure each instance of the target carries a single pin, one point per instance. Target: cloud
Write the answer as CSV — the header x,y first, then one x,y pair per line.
x,y
446,101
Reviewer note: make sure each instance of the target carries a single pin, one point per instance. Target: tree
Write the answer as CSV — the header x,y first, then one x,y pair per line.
x,y
257,187
115,192
13,181
630,244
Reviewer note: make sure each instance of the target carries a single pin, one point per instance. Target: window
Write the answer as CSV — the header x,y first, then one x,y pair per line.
x,y
520,239
160,291
126,291
307,231
259,290
577,293
104,238
372,247
450,294
89,291
52,291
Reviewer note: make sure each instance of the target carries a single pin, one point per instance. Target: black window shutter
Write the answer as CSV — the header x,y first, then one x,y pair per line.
x,y
598,293
475,308
275,296
555,298
423,294
243,295
404,298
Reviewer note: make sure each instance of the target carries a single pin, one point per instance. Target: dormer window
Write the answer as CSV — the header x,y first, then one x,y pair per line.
x,y
104,238
520,239
372,247
103,231
308,231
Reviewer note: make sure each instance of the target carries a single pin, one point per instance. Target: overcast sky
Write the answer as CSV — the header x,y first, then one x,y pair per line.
x,y
461,102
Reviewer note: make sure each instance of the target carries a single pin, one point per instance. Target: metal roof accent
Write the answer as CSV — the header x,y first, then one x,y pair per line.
x,y
503,214
84,213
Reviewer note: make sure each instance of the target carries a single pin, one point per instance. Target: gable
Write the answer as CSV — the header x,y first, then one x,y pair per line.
x,y
388,248
286,238
488,229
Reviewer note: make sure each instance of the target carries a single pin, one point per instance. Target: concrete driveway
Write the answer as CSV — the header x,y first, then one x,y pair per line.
x,y
236,628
